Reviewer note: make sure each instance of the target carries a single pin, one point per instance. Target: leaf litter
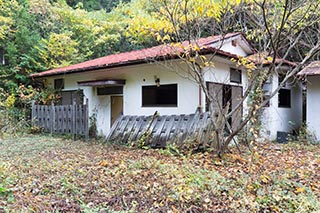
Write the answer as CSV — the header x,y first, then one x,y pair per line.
x,y
48,174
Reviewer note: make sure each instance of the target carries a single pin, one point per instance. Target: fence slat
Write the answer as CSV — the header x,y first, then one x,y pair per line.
x,y
173,128
62,119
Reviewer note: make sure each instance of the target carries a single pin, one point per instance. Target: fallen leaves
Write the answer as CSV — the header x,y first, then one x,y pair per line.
x,y
48,174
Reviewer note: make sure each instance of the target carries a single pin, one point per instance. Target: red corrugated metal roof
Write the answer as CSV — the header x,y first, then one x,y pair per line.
x,y
137,56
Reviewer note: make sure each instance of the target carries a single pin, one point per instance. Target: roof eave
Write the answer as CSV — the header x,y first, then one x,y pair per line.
x,y
130,63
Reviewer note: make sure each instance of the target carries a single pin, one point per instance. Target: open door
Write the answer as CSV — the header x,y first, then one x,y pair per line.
x,y
116,107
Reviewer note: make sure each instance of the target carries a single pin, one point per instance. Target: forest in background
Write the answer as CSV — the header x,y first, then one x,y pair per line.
x,y
37,35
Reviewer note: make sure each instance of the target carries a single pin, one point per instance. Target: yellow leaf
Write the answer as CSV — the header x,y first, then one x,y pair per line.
x,y
300,190
269,58
191,60
203,57
217,163
158,37
166,37
265,178
197,48
104,163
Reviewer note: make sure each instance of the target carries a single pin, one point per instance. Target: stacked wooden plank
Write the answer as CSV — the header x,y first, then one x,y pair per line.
x,y
156,130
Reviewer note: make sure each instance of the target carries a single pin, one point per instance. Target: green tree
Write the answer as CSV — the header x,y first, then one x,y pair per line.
x,y
91,5
59,50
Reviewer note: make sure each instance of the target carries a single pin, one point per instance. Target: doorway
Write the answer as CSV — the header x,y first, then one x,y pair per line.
x,y
116,107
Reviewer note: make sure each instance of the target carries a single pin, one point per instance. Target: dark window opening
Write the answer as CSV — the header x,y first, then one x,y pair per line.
x,y
67,97
226,96
266,92
58,84
235,75
162,96
284,98
227,100
117,90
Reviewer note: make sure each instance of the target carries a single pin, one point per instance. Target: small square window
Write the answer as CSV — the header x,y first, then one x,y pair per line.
x,y
284,98
235,75
58,84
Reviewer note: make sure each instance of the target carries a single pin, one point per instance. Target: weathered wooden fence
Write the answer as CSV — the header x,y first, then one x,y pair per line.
x,y
62,119
158,130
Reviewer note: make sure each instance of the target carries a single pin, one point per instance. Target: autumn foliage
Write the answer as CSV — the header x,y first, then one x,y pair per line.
x,y
41,174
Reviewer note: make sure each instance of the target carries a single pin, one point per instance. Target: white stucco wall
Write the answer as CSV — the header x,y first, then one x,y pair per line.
x,y
136,77
274,118
234,49
313,105
281,119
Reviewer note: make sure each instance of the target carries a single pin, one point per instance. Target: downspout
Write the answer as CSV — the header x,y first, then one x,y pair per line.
x,y
200,108
200,99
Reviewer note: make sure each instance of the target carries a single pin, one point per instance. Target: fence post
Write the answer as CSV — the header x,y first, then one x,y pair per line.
x,y
74,120
86,119
33,113
52,119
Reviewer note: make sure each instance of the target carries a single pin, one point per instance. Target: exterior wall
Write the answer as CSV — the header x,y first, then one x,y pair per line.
x,y
281,119
136,77
274,118
313,105
234,49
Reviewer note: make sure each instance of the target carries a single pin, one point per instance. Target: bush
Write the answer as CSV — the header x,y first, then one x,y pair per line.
x,y
14,122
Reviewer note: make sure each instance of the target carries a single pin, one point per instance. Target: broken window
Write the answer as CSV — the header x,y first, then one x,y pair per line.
x,y
284,98
227,100
160,96
235,75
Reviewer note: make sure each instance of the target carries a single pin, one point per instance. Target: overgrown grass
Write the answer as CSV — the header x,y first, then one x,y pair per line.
x,y
41,173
